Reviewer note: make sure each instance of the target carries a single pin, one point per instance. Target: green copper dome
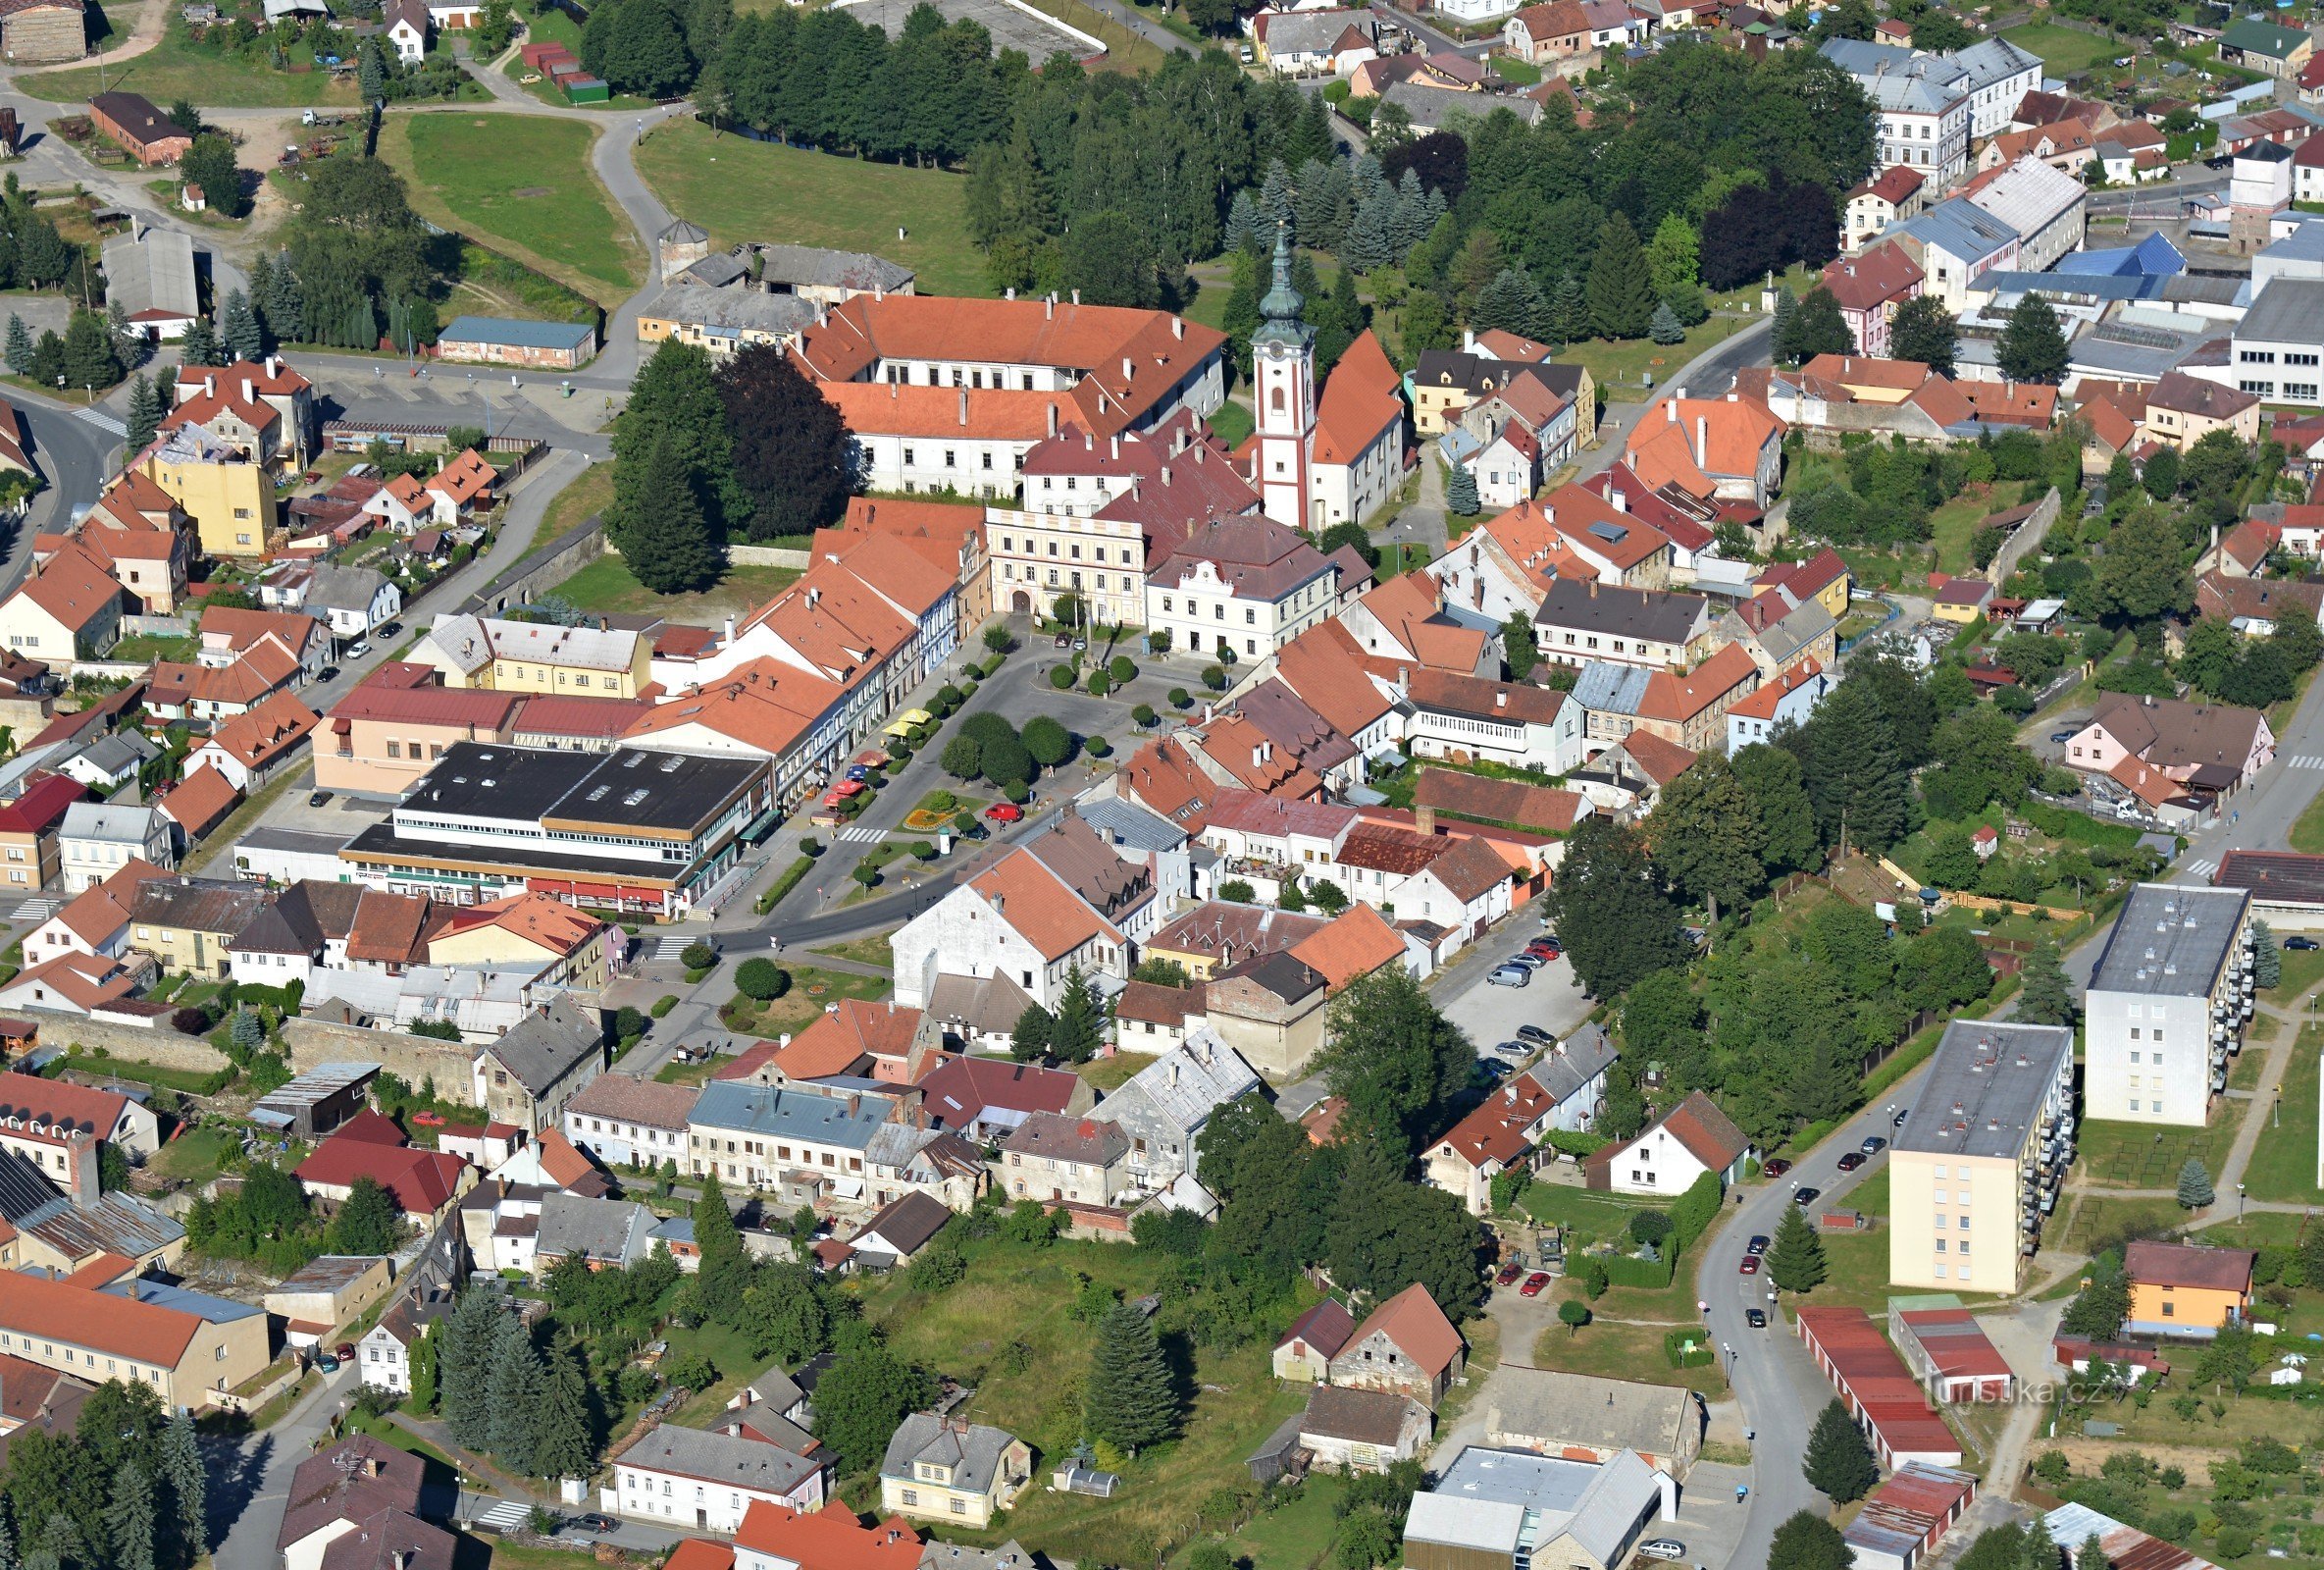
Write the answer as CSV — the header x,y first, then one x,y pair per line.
x,y
1281,304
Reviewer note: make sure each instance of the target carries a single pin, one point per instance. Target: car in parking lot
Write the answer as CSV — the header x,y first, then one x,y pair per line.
x,y
2062,737
1536,1034
1530,960
1004,813
1851,1161
1511,976
1777,1168
2301,945
325,1362
1494,1068
1757,1244
1749,1265
358,649
327,673
318,797
1534,1284
1804,1198
1662,1548
1756,1318
1508,1273
1874,1144
1065,639
1511,1049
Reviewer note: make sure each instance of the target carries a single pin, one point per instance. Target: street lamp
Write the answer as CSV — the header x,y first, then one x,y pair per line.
x,y
2239,1204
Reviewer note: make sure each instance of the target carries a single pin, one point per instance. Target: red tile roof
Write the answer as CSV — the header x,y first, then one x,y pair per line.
x,y
55,1310
199,801
1358,942
2218,1270
831,1538
1416,1326
1496,1129
420,1182
1884,273
43,806
1361,397
961,1089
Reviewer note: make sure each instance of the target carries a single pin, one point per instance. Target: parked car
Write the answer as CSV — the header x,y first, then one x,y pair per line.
x,y
1662,1548
326,1363
327,673
1004,811
1065,639
2300,943
390,629
358,649
1493,1069
1534,1284
1508,1273
2062,737
1874,1144
1806,1196
593,1522
1851,1161
318,797
1512,1049
1757,1244
1777,1168
1536,1034
1749,1265
1756,1318
1511,976
1530,960
345,1351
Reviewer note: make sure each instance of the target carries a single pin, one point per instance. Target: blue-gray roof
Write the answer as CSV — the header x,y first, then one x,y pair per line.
x,y
1127,825
2075,286
520,334
2303,244
1960,226
1604,688
789,1114
215,1310
2152,256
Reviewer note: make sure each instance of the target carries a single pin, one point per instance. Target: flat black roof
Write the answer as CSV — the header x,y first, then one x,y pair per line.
x,y
379,843
676,792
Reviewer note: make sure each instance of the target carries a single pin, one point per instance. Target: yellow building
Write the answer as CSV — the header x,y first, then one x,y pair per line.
x,y
186,923
529,930
944,1469
187,1347
2185,1289
525,657
1987,1147
229,499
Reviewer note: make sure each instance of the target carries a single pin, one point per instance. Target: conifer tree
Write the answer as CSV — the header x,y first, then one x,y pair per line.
x,y
200,345
1666,327
1460,493
465,1367
2267,959
1621,288
145,412
1074,1037
1511,303
129,1518
1242,223
18,350
2031,346
666,540
514,1391
2195,1185
423,1373
1274,202
561,1424
1795,1259
1568,316
285,304
1130,1402
239,328
2045,995
1779,323
1839,1464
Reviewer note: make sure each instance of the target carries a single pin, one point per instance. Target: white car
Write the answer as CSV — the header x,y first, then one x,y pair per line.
x,y
1662,1548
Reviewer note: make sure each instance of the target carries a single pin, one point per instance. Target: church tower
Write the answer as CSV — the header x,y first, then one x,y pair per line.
x,y
1283,363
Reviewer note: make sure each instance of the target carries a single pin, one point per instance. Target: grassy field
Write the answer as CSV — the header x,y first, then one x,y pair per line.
x,y
2064,50
523,185
1611,1349
810,989
1951,525
1008,1329
872,950
607,585
2132,1155
2284,1162
741,190
175,69
2085,1223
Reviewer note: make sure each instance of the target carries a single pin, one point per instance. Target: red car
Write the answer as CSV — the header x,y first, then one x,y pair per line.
x,y
1851,1161
1534,1284
1751,1265
1004,813
429,1120
1508,1273
1777,1168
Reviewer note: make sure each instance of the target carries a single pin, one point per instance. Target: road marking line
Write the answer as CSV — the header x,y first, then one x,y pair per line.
x,y
102,421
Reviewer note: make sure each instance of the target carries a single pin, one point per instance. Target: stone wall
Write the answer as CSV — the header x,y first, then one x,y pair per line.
x,y
544,569
162,1047
311,1043
2024,539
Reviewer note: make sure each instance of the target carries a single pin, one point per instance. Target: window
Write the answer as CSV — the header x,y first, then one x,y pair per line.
x,y
960,1506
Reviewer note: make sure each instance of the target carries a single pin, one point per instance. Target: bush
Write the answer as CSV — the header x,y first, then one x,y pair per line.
x,y
1123,670
922,850
1144,714
1181,698
1018,791
190,1021
810,847
1099,684
762,978
999,641
1158,642
699,956
663,1005
1060,677
627,1023
1237,892
1215,678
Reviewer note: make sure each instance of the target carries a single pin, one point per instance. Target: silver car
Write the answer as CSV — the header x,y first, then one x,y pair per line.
x,y
1662,1548
1511,976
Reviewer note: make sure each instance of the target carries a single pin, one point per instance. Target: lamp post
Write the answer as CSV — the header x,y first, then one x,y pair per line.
x,y
2239,1204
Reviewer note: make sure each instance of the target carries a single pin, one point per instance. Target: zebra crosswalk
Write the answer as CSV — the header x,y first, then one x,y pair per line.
x,y
2304,760
505,1515
107,423
35,910
2203,866
858,835
669,948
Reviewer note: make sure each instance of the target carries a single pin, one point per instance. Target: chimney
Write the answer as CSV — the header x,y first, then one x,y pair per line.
x,y
1049,307
1127,368
1501,697
1133,488
1177,327
274,366
1423,819
1009,293
1621,501
1077,296
403,1559
1053,422
963,408
1113,443
1593,588
1670,411
730,633
1089,442
1702,438
1165,474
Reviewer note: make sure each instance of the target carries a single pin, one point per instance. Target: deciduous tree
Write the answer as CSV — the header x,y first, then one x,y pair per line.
x,y
1705,834
1610,907
1394,1057
794,458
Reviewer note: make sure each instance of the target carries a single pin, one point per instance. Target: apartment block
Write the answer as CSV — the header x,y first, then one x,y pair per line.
x,y
2167,1004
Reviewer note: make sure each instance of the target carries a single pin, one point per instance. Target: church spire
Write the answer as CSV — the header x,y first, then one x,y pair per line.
x,y
1281,305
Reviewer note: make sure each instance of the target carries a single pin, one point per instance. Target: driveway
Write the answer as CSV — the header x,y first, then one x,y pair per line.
x,y
250,1477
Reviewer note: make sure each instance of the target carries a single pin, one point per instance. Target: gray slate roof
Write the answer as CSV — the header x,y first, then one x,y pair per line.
x,y
1173,1096
118,752
1654,614
1604,688
607,1232
152,274
337,588
818,267
1126,825
790,1113
975,1456
733,308
544,1048
722,1458
1579,1059
2289,310
95,821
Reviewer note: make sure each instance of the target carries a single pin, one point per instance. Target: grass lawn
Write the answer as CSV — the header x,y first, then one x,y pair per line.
x,y
1109,1075
2085,1223
175,69
1951,525
1008,1329
521,184
810,989
581,501
2307,834
2284,1162
2302,970
1232,423
1125,51
873,950
2063,49
1508,68
741,190
149,649
607,584
2134,1155
1611,1349
194,1155
1294,1537
1621,368
1569,1205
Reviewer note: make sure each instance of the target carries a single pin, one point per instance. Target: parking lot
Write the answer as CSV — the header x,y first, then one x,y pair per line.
x,y
1552,1000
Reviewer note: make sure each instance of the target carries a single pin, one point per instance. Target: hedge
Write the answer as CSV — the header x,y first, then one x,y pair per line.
x,y
1577,1142
1676,1348
1651,1274
1693,1214
2060,823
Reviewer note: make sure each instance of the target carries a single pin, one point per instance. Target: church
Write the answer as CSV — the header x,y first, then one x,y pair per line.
x,y
1316,461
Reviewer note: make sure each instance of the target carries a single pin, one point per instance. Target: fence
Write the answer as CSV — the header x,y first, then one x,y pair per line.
x,y
145,626
2023,537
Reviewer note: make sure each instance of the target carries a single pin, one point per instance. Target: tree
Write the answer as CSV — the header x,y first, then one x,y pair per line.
x,y
1779,331
1621,288
1384,1235
2045,996
1665,328
665,540
962,758
1705,834
19,351
424,1374
2267,960
465,1365
2098,1309
515,1387
188,1481
1460,493
368,1223
1853,768
2092,1555
674,397
1129,1401
1795,1259
759,977
1808,1542
90,360
1839,1464
1031,1037
1573,1313
1110,258
1923,330
860,1400
1816,327
1674,255
561,1438
2032,347
1048,741
1780,802
2161,480
2195,1185
1617,921
209,164
1394,1057
725,1270
2145,573
794,458
131,1518
1076,1034
145,413
371,73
